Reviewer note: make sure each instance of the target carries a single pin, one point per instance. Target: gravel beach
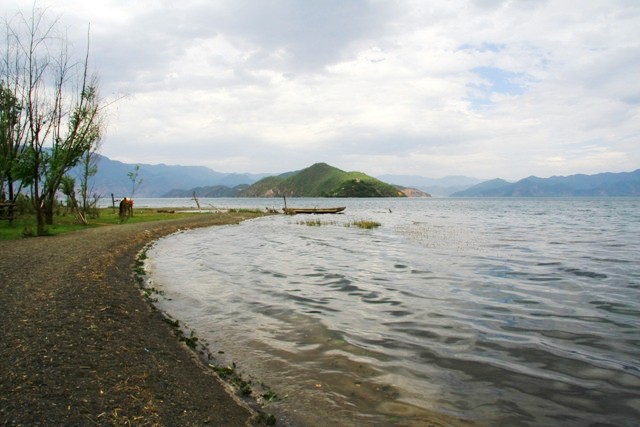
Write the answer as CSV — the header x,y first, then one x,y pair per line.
x,y
81,346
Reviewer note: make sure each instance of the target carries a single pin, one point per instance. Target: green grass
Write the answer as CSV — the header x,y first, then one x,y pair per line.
x,y
26,225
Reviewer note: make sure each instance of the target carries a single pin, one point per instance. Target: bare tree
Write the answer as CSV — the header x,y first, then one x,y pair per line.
x,y
61,107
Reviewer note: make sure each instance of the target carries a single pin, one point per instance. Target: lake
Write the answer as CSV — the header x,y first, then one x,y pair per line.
x,y
491,312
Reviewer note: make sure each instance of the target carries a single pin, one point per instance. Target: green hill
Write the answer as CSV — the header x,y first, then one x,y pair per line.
x,y
321,180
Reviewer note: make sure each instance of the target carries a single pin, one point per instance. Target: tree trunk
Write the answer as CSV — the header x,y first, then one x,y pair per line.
x,y
42,229
50,203
12,196
48,213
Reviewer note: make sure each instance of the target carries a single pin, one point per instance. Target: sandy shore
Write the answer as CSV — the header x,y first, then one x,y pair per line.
x,y
81,346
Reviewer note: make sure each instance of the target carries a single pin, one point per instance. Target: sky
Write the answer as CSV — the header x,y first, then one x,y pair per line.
x,y
480,88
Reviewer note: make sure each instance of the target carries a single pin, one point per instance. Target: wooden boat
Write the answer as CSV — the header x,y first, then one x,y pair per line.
x,y
293,211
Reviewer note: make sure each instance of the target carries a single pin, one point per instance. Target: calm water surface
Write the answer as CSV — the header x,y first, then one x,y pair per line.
x,y
495,312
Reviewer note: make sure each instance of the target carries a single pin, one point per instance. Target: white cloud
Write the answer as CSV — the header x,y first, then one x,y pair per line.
x,y
385,87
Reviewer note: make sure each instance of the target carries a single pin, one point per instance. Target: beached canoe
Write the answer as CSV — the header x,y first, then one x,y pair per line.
x,y
293,211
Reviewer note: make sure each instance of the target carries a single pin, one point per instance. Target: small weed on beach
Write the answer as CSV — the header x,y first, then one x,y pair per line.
x,y
190,341
266,419
270,396
140,275
228,373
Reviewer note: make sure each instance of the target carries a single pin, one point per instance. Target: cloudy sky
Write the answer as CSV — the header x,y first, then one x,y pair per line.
x,y
482,88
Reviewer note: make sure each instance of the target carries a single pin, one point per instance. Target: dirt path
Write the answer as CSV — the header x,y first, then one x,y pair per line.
x,y
80,346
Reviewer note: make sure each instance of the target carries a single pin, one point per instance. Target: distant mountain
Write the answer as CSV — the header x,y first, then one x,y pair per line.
x,y
209,191
436,186
158,180
603,184
412,192
486,186
322,180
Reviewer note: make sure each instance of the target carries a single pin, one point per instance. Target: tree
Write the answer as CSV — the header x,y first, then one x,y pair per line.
x,y
135,181
88,169
68,187
11,140
60,103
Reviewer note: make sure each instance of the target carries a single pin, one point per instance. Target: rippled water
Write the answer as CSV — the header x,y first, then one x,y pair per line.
x,y
496,312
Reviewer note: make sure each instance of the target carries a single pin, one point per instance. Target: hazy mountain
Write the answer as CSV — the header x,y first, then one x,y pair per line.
x,y
208,191
322,180
158,180
603,184
181,181
485,186
435,186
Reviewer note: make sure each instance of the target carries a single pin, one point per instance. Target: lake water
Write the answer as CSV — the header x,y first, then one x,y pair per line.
x,y
499,312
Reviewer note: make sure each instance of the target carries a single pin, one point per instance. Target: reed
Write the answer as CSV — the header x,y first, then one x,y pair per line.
x,y
365,224
316,222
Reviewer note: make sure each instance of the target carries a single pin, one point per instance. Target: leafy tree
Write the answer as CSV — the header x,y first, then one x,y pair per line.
x,y
68,187
60,107
135,181
88,169
11,139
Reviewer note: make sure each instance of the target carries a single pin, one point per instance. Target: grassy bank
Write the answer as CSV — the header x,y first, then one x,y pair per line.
x,y
64,222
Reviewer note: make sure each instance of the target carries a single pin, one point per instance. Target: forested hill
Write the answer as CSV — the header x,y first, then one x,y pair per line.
x,y
322,180
603,184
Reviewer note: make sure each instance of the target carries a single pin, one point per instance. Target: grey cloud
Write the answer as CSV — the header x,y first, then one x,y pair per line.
x,y
135,55
235,82
612,73
313,33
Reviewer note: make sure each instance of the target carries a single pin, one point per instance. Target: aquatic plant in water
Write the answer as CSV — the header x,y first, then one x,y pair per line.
x,y
365,224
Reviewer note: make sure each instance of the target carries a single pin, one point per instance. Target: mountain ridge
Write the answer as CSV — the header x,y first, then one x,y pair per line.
x,y
161,180
158,179
579,185
441,187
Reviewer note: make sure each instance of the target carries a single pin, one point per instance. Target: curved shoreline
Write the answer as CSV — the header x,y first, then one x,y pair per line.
x,y
82,346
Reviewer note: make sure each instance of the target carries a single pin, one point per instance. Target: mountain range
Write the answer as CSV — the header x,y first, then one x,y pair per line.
x,y
602,184
441,187
182,181
158,180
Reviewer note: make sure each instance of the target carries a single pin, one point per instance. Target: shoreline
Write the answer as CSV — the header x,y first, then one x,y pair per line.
x,y
247,392
82,345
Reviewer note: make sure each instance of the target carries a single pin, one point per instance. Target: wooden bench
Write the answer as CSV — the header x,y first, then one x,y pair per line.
x,y
8,211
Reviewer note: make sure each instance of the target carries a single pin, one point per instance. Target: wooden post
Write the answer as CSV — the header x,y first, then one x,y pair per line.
x,y
196,200
113,202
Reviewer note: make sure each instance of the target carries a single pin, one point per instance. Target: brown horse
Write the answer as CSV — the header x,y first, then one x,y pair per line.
x,y
126,209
